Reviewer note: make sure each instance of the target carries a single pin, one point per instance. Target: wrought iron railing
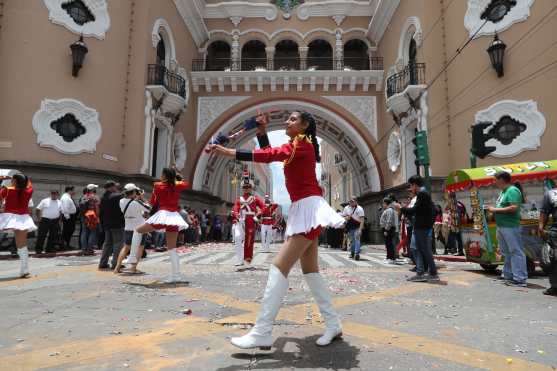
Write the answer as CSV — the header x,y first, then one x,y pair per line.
x,y
159,75
295,63
413,74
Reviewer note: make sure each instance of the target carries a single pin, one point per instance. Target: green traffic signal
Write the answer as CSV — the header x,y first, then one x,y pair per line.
x,y
421,150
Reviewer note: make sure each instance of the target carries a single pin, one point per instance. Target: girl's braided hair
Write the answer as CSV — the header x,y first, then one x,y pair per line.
x,y
311,132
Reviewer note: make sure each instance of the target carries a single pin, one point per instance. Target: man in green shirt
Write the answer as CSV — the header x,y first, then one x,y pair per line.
x,y
509,235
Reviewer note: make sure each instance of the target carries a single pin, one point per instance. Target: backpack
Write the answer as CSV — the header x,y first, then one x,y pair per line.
x,y
91,219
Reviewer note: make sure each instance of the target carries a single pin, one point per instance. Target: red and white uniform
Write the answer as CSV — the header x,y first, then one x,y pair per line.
x,y
309,211
166,198
267,217
244,211
16,209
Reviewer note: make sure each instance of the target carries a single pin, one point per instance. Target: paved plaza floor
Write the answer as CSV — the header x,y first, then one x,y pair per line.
x,y
69,315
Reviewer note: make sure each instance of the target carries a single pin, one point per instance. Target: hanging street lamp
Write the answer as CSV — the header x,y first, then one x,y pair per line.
x,y
79,49
496,53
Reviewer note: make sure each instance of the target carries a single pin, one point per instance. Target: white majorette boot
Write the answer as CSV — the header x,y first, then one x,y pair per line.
x,y
260,336
239,250
134,248
175,276
24,265
333,328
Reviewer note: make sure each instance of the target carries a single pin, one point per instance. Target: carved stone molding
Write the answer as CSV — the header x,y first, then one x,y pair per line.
x,y
335,8
394,151
179,150
52,110
243,9
525,112
96,28
210,108
364,108
472,21
161,28
182,72
412,29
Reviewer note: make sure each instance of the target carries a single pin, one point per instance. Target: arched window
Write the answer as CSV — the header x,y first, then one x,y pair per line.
x,y
218,56
355,55
286,55
161,53
412,51
320,55
253,55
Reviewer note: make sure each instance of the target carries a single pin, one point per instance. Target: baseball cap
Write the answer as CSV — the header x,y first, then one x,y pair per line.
x,y
130,187
91,187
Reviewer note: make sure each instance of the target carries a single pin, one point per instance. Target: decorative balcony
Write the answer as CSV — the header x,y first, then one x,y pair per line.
x,y
405,85
284,72
168,86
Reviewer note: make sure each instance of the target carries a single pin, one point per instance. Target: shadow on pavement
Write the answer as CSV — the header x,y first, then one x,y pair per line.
x,y
340,355
14,278
157,285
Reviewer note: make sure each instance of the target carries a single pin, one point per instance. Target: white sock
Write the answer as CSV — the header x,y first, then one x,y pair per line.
x,y
134,248
23,253
174,262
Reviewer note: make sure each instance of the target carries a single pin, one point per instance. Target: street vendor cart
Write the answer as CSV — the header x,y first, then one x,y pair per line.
x,y
475,187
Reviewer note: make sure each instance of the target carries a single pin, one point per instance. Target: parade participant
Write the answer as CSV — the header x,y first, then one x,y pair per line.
x,y
133,208
308,213
245,209
48,214
16,217
165,199
69,213
267,217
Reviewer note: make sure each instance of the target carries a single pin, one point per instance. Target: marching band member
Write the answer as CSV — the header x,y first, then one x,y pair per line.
x,y
267,221
245,209
16,217
164,200
308,214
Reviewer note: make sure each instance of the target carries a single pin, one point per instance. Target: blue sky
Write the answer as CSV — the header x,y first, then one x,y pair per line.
x,y
280,195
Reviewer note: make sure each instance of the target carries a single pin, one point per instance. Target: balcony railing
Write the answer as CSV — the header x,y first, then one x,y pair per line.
x,y
413,74
159,75
289,64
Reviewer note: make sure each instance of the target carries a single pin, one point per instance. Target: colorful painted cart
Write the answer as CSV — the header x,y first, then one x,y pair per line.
x,y
479,238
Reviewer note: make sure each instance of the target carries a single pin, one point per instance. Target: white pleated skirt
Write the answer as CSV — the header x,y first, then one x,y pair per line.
x,y
309,213
167,218
16,222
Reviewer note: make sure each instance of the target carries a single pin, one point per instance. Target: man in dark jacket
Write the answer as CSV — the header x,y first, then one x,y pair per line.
x,y
424,217
112,221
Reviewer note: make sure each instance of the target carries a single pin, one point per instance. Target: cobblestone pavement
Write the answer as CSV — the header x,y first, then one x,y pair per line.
x,y
69,315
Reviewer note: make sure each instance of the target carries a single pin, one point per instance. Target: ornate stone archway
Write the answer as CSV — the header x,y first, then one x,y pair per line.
x,y
332,127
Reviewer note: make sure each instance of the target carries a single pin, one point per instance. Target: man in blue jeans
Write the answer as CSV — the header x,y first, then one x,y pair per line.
x,y
509,234
354,215
423,213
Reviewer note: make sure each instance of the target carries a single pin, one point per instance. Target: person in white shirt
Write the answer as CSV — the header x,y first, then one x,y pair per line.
x,y
133,207
354,215
48,213
69,215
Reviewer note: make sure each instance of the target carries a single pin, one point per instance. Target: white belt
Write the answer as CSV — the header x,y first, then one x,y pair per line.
x,y
267,217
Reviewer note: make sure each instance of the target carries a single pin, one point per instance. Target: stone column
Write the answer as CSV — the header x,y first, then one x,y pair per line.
x,y
270,50
235,53
303,53
339,51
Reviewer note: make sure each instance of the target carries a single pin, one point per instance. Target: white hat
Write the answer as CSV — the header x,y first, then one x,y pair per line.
x,y
91,187
130,187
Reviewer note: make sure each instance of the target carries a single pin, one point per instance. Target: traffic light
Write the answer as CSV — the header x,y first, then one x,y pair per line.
x,y
421,151
479,138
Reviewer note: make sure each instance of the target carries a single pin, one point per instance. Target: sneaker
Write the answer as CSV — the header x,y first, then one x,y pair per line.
x,y
516,284
552,291
357,257
417,278
351,256
502,279
413,269
434,278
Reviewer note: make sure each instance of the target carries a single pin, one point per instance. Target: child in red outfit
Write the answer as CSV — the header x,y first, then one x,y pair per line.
x,y
16,216
308,213
165,199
